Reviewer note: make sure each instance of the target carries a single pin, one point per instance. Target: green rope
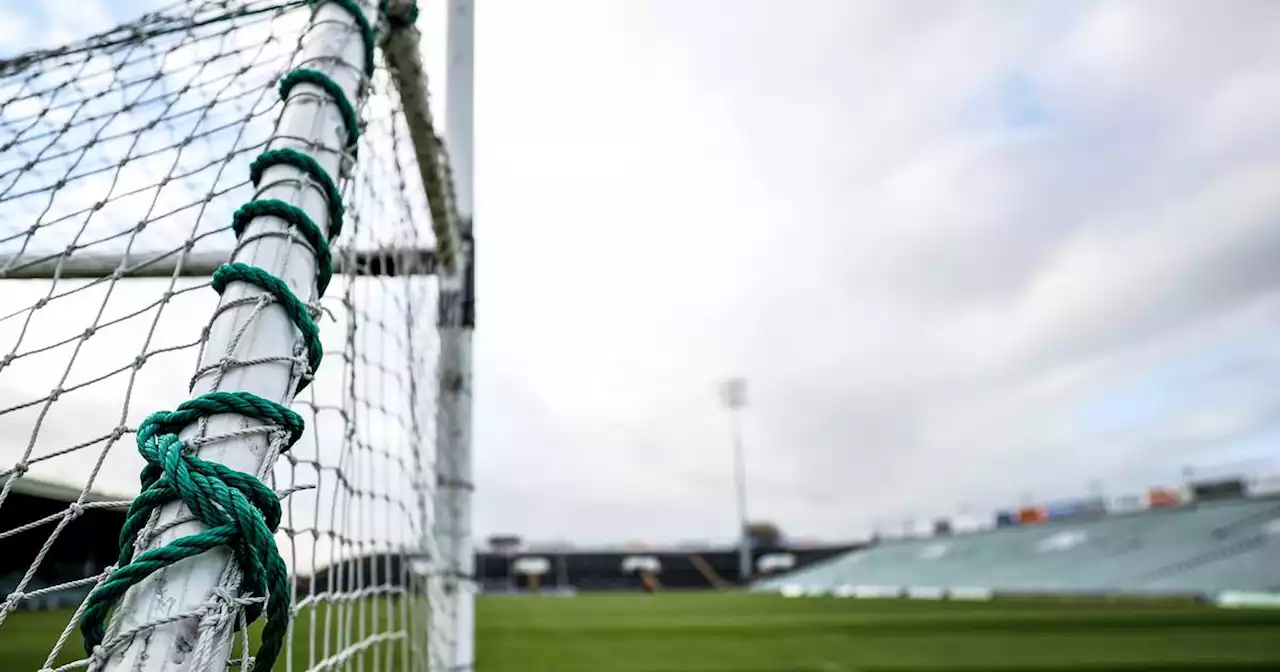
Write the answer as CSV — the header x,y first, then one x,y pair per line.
x,y
239,511
348,111
366,28
308,165
293,307
298,219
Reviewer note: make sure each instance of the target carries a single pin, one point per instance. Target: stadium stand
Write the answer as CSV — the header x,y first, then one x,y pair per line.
x,y
1200,548
88,542
85,544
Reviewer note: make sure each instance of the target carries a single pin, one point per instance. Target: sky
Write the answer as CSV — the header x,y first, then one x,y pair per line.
x,y
967,254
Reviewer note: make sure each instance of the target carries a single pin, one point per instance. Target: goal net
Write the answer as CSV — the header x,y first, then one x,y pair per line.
x,y
226,232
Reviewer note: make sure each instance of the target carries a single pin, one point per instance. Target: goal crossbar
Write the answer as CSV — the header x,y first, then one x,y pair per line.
x,y
390,262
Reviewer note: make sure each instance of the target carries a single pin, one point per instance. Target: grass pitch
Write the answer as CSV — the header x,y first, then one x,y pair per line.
x,y
735,632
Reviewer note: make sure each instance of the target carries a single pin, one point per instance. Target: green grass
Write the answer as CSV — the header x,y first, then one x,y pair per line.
x,y
731,632
727,632
27,637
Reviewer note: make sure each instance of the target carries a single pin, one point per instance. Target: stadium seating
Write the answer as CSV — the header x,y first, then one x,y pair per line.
x,y
1200,548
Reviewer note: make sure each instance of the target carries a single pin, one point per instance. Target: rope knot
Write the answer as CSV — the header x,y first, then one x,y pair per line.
x,y
238,511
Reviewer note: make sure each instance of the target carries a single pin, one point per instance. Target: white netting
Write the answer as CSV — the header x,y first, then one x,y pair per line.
x,y
122,161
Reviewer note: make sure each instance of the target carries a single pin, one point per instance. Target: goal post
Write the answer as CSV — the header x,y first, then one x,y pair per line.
x,y
249,199
456,313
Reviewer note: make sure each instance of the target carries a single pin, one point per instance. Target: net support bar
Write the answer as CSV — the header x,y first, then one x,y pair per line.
x,y
403,50
166,642
447,178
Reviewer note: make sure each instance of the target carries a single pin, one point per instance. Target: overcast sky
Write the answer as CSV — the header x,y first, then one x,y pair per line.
x,y
966,253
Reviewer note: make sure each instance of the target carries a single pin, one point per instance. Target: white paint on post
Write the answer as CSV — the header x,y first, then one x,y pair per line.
x,y
460,104
452,528
333,45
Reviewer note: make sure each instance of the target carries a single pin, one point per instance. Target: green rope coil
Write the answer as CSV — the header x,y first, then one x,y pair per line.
x,y
293,307
239,511
308,165
366,28
348,111
298,219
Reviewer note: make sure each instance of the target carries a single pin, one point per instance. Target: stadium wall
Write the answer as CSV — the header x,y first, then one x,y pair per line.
x,y
603,570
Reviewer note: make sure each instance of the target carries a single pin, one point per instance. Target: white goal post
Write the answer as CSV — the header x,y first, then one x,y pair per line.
x,y
248,199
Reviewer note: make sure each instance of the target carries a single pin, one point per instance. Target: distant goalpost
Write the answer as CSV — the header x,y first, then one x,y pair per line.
x,y
236,294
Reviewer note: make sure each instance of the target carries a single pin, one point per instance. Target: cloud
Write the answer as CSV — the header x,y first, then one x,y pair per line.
x,y
922,286
964,252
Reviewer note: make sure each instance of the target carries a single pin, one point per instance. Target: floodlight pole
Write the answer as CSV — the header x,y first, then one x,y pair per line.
x,y
740,482
733,394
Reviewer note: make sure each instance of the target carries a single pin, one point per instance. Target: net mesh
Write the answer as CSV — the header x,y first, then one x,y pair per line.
x,y
123,159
